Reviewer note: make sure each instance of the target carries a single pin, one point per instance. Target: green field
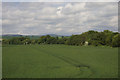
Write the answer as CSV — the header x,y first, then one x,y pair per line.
x,y
59,61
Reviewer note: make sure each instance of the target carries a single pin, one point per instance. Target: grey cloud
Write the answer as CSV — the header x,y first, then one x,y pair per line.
x,y
44,18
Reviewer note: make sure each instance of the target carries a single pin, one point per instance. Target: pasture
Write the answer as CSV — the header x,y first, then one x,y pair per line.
x,y
59,61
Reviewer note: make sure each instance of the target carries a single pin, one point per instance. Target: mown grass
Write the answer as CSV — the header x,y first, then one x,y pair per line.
x,y
59,61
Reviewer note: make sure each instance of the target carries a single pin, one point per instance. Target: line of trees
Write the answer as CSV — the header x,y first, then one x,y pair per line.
x,y
95,38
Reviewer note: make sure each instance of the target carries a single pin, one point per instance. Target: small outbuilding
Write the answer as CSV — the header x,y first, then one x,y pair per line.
x,y
86,43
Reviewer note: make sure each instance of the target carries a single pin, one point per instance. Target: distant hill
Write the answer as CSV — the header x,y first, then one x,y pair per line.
x,y
9,36
54,35
16,35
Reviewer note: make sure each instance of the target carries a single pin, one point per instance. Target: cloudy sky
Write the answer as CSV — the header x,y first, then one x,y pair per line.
x,y
62,18
60,0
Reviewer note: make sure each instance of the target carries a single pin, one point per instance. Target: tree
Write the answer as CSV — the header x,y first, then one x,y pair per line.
x,y
95,38
116,41
5,41
33,41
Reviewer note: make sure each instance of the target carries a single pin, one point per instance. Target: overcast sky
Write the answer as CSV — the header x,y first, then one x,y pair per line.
x,y
60,0
58,18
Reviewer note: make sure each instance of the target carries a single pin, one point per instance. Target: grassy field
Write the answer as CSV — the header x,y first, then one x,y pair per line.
x,y
0,61
59,61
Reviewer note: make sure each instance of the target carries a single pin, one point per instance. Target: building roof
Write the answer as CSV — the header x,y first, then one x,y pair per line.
x,y
1,39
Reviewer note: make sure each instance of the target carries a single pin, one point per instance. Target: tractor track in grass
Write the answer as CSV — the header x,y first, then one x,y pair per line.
x,y
68,60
